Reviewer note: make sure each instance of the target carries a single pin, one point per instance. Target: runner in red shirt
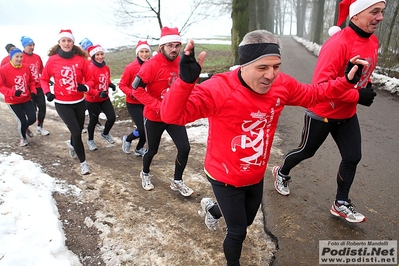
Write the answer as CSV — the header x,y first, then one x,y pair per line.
x,y
338,117
18,85
134,107
68,66
149,87
35,64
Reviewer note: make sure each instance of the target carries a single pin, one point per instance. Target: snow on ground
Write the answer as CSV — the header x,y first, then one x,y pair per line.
x,y
30,230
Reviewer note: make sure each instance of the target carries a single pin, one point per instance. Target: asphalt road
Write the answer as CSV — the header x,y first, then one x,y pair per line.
x,y
301,219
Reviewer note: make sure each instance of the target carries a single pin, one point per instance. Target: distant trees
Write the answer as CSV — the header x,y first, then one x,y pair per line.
x,y
309,19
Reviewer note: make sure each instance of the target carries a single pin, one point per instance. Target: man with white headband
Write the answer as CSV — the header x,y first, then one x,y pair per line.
x,y
338,117
243,107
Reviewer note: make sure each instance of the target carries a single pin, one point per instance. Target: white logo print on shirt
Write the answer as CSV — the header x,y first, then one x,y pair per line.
x,y
257,139
20,83
68,78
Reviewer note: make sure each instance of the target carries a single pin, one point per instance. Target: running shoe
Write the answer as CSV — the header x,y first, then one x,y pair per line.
x,y
347,211
23,143
146,181
92,145
178,185
42,131
108,138
71,150
281,181
126,145
85,170
140,152
206,204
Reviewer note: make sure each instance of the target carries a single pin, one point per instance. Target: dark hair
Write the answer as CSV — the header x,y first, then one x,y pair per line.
x,y
78,51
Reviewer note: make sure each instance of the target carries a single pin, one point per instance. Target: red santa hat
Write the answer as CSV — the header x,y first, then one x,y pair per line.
x,y
142,45
95,49
169,35
351,8
66,34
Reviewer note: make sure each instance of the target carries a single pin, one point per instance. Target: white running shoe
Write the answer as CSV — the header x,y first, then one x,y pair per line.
x,y
71,150
140,152
85,170
281,182
211,222
42,131
178,185
108,138
92,145
126,145
347,211
146,181
23,143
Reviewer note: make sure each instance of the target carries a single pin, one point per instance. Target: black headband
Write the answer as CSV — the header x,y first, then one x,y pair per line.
x,y
251,52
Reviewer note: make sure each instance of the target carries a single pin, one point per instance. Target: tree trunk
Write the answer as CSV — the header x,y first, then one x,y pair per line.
x,y
239,15
318,15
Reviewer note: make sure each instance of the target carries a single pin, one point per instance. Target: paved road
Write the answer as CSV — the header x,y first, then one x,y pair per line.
x,y
300,220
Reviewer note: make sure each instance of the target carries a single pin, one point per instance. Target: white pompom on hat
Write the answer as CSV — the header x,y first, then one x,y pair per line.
x,y
351,8
142,45
95,49
169,35
65,34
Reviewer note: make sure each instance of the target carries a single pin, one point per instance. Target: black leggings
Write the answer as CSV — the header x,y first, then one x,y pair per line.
x,y
25,114
136,112
179,136
94,109
239,206
40,104
73,116
346,135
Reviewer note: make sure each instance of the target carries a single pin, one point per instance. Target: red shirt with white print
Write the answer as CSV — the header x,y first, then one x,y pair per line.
x,y
102,79
67,74
16,78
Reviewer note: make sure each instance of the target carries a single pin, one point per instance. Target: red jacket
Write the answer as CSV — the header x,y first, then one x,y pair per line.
x,y
333,58
129,73
12,79
35,64
159,74
102,79
67,73
242,123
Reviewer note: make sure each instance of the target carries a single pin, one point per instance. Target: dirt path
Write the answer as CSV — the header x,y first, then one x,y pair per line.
x,y
109,219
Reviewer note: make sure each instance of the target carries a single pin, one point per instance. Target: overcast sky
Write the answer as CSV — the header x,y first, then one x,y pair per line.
x,y
94,19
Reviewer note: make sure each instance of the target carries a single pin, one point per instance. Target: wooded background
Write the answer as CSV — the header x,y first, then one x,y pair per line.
x,y
308,19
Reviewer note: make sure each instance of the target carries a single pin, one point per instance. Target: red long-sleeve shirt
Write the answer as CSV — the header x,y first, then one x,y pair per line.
x,y
67,73
159,74
12,79
333,58
35,64
128,76
102,79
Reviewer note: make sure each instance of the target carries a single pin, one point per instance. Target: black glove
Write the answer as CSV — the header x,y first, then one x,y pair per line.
x,y
103,94
189,68
81,87
50,82
112,86
358,73
18,93
33,97
50,96
366,95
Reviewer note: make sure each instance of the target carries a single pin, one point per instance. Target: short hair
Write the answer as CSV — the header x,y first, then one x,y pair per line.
x,y
260,36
